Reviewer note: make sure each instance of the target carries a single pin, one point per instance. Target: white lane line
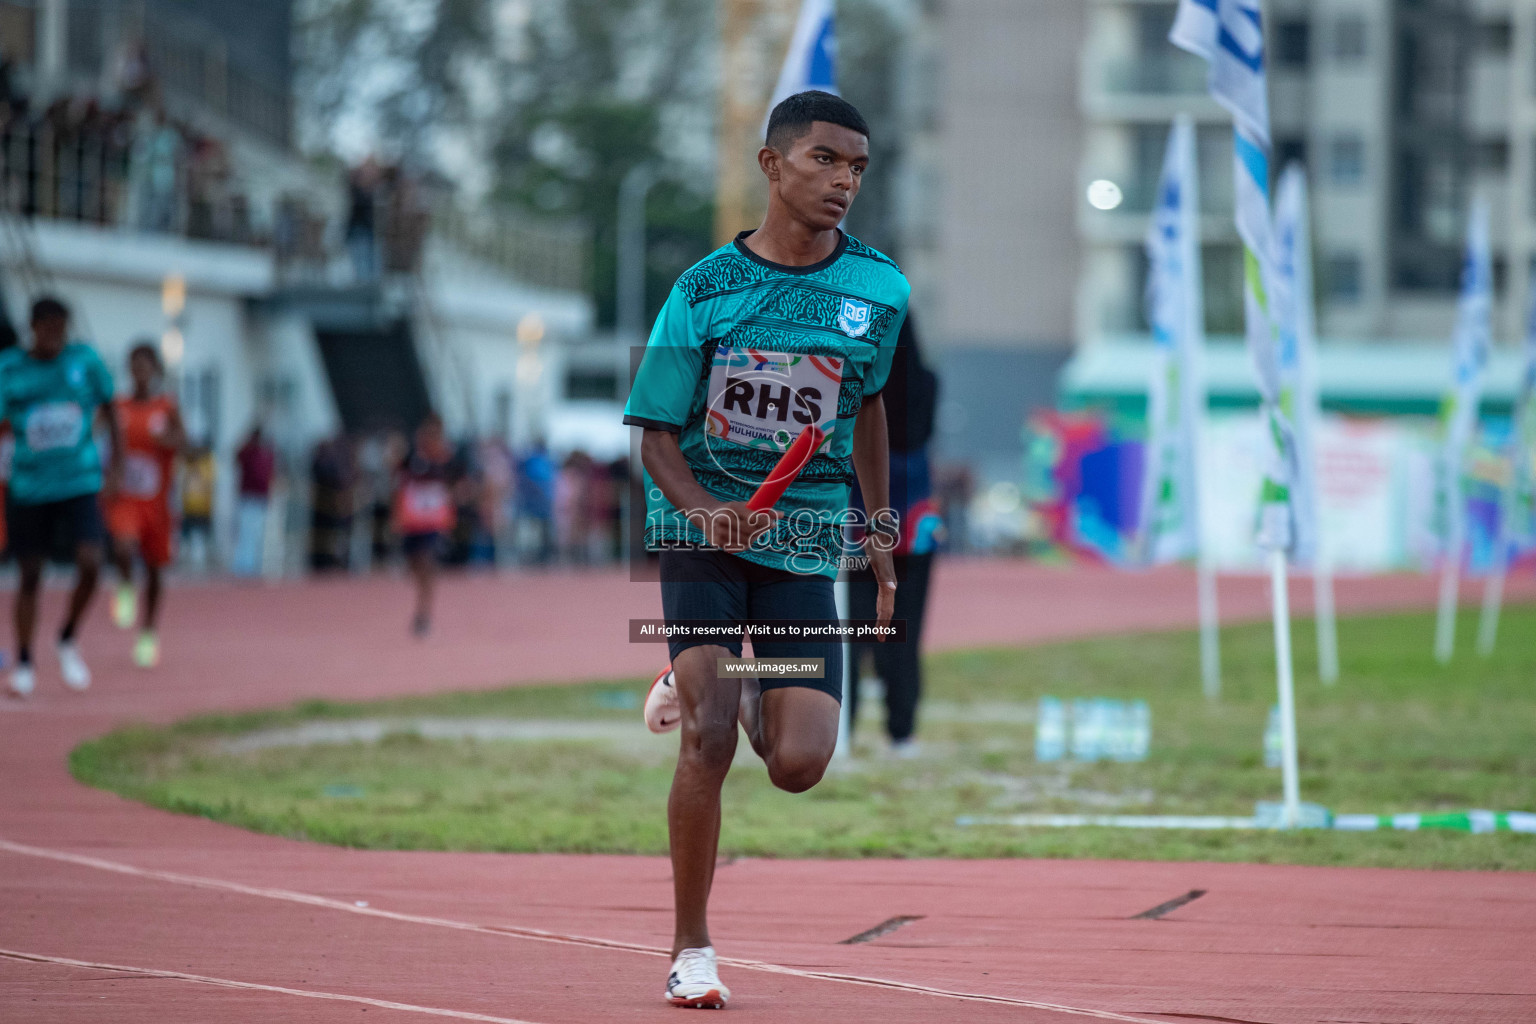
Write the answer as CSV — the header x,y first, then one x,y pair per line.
x,y
203,979
286,895
536,934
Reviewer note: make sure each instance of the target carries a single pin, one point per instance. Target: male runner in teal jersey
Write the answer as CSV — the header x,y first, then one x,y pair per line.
x,y
51,394
790,325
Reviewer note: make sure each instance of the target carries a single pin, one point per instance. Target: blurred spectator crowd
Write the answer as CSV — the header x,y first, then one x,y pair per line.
x,y
513,507
119,157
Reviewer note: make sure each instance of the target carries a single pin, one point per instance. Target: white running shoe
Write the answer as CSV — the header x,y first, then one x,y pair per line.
x,y
77,675
695,981
663,712
125,606
146,650
23,681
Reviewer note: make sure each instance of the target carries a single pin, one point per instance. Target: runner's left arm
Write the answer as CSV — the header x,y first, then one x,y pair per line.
x,y
872,462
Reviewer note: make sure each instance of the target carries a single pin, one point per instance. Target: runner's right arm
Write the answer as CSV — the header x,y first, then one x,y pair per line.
x,y
659,402
729,525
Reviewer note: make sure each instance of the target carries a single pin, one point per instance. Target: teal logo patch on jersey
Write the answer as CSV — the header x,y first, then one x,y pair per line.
x,y
854,318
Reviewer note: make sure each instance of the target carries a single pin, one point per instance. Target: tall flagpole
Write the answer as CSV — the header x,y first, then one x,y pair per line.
x,y
1229,35
1298,362
1194,405
1170,519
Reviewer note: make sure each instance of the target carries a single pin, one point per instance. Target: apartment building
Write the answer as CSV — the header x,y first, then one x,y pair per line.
x,y
1401,113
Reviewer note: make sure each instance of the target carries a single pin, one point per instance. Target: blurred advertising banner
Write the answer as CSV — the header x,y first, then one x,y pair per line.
x,y
1376,489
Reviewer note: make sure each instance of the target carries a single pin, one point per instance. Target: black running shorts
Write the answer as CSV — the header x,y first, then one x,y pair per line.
x,y
715,586
53,529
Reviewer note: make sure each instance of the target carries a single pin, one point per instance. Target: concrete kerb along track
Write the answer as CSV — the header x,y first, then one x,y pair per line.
x,y
113,911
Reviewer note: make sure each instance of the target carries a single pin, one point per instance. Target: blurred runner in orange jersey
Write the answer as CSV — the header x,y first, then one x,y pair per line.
x,y
139,516
425,509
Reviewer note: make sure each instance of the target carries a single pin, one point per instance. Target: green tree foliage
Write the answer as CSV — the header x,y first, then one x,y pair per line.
x,y
555,100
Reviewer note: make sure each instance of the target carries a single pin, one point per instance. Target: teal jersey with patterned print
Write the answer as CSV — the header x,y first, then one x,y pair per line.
x,y
747,353
51,404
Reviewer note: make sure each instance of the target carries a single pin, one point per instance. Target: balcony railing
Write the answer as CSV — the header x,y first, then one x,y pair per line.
x,y
1170,75
544,254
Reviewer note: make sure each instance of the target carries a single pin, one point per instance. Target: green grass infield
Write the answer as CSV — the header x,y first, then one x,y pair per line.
x,y
571,768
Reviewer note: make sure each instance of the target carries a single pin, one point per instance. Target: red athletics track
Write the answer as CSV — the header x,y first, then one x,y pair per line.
x,y
114,912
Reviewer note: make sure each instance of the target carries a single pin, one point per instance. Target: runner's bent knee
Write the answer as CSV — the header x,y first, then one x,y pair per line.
x,y
796,773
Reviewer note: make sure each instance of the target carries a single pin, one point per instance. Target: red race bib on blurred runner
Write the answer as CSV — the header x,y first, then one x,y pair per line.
x,y
424,507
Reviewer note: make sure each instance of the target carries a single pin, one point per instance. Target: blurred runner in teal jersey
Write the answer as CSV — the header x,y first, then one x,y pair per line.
x,y
51,394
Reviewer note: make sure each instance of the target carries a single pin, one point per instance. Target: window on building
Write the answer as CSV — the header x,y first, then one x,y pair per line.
x,y
1341,277
1491,156
1222,266
1288,151
1152,26
1349,39
1533,184
1495,38
1293,43
1213,149
1346,160
591,383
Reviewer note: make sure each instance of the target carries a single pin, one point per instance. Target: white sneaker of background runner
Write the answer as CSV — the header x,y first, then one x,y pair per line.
x,y
695,980
77,675
23,681
663,711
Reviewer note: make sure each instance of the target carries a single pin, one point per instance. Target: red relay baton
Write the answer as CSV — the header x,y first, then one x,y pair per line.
x,y
786,469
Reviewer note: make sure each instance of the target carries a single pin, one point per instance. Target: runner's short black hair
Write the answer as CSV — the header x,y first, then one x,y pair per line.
x,y
794,115
147,348
49,308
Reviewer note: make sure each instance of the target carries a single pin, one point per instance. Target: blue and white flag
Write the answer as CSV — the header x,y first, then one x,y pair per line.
x,y
1470,344
1195,28
1229,35
1168,527
1521,506
1298,351
811,62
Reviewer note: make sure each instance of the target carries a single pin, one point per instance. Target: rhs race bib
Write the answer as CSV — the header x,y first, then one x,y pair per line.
x,y
764,399
54,425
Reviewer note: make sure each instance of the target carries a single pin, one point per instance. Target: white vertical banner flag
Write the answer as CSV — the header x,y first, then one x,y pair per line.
x,y
1300,398
1229,34
1517,507
1296,352
811,62
1470,344
1168,524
